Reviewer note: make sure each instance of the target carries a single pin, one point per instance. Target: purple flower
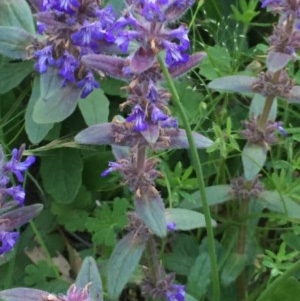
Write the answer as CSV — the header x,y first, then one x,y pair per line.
x,y
138,116
45,58
7,241
17,192
16,166
171,226
76,294
266,3
176,293
88,83
152,93
67,6
113,166
157,115
171,122
173,54
68,65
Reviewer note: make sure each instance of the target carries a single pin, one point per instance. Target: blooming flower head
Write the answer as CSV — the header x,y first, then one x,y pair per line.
x,y
72,28
176,293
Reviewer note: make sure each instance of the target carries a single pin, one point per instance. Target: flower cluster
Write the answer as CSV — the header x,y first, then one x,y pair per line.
x,y
7,191
146,22
72,29
245,189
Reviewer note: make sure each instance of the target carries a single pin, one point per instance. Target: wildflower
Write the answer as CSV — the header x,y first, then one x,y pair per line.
x,y
113,166
138,116
176,293
7,241
88,83
171,226
45,59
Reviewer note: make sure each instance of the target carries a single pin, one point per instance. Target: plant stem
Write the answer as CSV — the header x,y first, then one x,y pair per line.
x,y
198,169
265,113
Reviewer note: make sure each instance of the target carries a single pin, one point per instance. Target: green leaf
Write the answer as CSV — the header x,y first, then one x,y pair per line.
x,y
55,102
185,250
11,74
286,289
234,265
257,106
233,83
151,211
280,203
36,132
292,240
122,263
107,221
94,108
14,42
16,13
277,60
199,277
186,219
61,174
216,194
253,157
89,275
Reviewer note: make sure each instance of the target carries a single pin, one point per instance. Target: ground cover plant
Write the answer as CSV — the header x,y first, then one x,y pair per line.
x,y
149,150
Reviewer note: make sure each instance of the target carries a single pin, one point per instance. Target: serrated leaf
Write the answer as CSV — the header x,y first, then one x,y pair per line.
x,y
89,275
11,74
16,13
107,221
253,157
56,102
233,83
123,261
36,132
61,173
14,42
186,219
257,106
151,211
94,108
22,293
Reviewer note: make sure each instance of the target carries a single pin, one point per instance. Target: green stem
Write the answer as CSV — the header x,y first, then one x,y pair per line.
x,y
41,242
198,169
265,113
268,293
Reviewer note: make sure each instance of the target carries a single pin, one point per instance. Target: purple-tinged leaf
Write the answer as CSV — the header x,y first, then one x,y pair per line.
x,y
277,60
120,152
142,60
257,106
18,217
294,95
7,206
180,141
233,83
55,103
151,133
14,42
253,157
99,134
122,263
89,275
182,68
23,294
151,211
109,65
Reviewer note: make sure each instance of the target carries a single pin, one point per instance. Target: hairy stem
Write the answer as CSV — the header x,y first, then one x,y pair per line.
x,y
201,185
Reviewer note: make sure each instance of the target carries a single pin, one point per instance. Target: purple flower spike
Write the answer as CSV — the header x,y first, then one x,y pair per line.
x,y
68,64
45,58
113,166
18,167
176,293
138,116
68,6
88,84
173,54
7,241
